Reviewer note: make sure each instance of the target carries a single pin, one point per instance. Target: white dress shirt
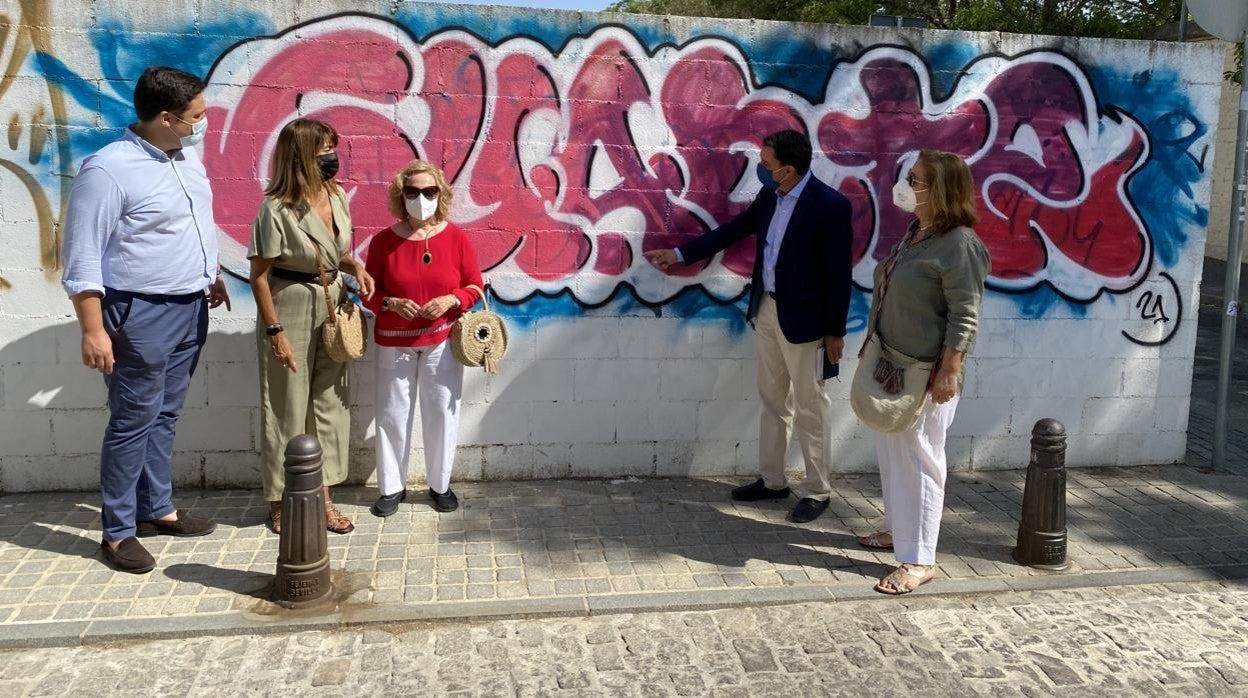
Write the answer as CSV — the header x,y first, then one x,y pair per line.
x,y
140,220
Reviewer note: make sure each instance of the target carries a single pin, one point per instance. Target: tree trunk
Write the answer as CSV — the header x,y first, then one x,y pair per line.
x,y
1047,14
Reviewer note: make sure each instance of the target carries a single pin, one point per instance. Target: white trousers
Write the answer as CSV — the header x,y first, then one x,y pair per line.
x,y
432,375
793,395
912,475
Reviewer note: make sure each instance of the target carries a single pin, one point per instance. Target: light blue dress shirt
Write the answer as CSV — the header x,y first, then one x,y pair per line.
x,y
140,220
785,203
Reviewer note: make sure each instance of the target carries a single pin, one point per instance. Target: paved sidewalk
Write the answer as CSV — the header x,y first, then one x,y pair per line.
x,y
576,547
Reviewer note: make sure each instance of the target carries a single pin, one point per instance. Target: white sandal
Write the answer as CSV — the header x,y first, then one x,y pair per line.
x,y
896,578
873,541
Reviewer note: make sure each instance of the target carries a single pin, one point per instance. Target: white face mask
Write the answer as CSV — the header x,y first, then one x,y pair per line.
x,y
904,197
198,129
421,208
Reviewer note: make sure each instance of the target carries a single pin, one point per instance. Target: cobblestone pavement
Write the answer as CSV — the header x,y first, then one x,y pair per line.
x,y
1140,641
603,540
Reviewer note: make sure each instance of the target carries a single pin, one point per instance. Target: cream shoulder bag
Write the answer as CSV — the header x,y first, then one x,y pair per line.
x,y
889,387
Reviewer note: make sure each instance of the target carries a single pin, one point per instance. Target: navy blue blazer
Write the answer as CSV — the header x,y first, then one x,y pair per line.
x,y
814,269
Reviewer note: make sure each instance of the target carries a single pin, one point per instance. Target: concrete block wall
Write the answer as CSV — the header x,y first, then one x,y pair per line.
x,y
577,141
1223,164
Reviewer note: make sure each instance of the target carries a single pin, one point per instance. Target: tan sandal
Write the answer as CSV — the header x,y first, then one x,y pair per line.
x,y
335,522
875,541
898,578
275,517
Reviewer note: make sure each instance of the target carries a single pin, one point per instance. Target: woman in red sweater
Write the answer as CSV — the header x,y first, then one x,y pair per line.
x,y
426,276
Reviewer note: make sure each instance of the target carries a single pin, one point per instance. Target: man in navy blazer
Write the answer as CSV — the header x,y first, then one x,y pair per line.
x,y
799,299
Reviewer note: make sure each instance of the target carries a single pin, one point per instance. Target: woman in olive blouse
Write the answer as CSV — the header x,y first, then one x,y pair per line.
x,y
930,312
303,226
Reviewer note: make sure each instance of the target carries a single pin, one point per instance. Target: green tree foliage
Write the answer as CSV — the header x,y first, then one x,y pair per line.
x,y
1102,18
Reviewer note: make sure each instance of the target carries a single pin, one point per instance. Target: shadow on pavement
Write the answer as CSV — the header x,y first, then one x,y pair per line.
x,y
254,584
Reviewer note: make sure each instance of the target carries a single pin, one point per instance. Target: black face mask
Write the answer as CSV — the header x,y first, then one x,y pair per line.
x,y
329,165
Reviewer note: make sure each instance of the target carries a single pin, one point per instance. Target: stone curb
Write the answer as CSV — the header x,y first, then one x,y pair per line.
x,y
73,633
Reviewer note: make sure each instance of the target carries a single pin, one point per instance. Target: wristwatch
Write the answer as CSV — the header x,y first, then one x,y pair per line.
x,y
273,330
385,303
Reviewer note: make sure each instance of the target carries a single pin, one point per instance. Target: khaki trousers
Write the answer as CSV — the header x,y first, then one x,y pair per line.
x,y
313,400
793,396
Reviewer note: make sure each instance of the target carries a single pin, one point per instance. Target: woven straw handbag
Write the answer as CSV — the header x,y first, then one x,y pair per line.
x,y
345,331
480,338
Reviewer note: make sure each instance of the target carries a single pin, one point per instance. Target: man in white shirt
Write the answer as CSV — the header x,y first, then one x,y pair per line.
x,y
140,255
799,300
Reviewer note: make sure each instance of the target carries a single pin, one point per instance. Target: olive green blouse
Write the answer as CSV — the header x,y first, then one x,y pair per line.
x,y
934,295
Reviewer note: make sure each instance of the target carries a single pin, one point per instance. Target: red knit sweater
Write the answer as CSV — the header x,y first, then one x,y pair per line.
x,y
397,268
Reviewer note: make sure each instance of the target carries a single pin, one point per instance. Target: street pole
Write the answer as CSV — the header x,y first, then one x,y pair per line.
x,y
1231,293
1183,21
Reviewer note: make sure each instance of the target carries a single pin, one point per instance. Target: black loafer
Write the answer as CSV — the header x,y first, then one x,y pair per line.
x,y
447,501
387,504
808,510
757,491
130,556
184,526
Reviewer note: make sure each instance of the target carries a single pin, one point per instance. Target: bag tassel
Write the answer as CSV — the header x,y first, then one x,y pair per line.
x,y
489,362
890,377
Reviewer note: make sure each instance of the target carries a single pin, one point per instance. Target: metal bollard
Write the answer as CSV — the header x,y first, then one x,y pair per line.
x,y
1042,530
303,551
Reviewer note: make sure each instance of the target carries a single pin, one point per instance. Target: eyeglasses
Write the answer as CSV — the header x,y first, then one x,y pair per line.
x,y
427,192
912,180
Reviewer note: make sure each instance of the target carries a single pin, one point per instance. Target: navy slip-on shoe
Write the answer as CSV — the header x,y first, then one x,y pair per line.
x,y
757,491
808,510
447,501
387,504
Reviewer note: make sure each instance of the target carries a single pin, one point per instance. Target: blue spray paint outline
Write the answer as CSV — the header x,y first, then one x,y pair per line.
x,y
118,56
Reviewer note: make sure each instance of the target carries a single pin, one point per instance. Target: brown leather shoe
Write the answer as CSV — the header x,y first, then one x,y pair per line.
x,y
130,556
184,526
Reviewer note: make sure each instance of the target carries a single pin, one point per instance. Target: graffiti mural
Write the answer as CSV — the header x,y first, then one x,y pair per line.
x,y
568,165
34,128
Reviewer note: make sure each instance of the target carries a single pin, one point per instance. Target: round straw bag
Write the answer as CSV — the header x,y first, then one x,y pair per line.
x,y
480,338
345,332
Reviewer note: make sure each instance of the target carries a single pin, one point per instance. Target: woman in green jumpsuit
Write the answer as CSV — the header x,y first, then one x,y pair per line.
x,y
302,390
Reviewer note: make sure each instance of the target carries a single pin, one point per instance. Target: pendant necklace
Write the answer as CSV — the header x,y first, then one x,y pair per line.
x,y
427,257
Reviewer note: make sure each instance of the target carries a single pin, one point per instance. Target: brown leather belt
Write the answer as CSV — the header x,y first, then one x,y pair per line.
x,y
304,277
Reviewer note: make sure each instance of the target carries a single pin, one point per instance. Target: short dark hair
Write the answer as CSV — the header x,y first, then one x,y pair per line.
x,y
164,89
792,148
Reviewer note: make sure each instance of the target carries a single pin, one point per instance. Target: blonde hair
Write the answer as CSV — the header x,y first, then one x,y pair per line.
x,y
951,191
296,172
415,167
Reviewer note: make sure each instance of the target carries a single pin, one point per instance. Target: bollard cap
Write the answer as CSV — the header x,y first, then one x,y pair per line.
x,y
303,446
1048,427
